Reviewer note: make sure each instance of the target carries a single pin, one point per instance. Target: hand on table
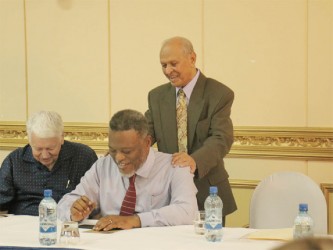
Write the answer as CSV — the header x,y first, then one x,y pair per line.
x,y
116,221
182,159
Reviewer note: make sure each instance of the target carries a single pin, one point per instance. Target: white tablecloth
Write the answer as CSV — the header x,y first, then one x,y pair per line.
x,y
23,231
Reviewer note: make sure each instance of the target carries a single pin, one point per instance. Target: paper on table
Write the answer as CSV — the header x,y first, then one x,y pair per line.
x,y
89,224
284,234
102,232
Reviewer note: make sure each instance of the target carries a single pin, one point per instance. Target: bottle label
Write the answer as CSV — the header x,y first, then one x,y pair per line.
x,y
48,228
302,231
213,222
48,220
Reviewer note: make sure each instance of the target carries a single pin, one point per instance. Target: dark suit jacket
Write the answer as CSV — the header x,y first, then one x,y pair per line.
x,y
210,133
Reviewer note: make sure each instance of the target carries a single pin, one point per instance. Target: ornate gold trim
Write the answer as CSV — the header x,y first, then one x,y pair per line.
x,y
283,142
254,142
327,189
244,184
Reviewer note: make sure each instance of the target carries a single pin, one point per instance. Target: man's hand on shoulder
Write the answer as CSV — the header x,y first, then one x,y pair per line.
x,y
184,160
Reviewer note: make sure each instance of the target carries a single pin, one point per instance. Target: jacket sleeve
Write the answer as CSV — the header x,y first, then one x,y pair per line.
x,y
217,142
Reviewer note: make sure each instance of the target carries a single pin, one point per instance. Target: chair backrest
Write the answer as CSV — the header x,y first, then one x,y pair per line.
x,y
274,203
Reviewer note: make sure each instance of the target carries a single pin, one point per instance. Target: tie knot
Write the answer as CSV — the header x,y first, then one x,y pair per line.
x,y
132,178
181,93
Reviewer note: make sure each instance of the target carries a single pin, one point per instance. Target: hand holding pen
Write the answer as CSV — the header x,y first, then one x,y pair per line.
x,y
82,208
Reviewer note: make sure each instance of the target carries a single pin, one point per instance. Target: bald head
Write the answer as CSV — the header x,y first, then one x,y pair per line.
x,y
181,42
178,59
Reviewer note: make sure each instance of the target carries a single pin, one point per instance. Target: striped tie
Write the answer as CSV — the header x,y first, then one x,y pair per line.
x,y
128,206
182,121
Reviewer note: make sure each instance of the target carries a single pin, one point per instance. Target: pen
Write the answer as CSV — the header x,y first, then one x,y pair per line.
x,y
68,183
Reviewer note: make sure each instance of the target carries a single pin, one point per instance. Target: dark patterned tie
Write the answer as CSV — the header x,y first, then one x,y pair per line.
x,y
182,121
128,206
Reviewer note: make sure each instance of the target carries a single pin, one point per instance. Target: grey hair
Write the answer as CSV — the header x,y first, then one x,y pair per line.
x,y
128,119
45,124
185,43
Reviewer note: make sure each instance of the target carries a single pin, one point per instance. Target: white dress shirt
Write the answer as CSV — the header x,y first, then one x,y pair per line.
x,y
166,195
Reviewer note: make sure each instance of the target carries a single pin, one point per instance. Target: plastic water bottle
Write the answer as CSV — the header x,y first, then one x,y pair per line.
x,y
48,219
303,224
213,216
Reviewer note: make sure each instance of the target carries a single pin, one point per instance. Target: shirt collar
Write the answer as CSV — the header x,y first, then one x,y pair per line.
x,y
146,167
190,86
27,154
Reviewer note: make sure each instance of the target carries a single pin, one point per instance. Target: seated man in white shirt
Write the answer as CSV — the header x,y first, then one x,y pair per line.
x,y
165,195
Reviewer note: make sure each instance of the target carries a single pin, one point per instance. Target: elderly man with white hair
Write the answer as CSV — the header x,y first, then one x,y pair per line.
x,y
47,162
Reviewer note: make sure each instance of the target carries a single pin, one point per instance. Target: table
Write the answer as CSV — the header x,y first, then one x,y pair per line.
x,y
23,231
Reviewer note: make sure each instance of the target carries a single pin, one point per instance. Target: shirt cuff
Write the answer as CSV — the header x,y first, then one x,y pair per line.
x,y
147,219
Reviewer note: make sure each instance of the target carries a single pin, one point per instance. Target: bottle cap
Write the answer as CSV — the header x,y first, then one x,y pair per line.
x,y
213,190
47,193
303,207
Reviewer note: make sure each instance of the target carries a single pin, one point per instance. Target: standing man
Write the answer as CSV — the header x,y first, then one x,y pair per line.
x,y
190,118
47,162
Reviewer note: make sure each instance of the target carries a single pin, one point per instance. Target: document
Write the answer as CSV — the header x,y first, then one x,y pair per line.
x,y
89,224
284,234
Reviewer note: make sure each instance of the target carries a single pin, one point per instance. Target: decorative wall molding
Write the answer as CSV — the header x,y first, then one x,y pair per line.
x,y
327,189
243,184
283,142
249,142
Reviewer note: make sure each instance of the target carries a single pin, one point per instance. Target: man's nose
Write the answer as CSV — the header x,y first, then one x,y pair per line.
x,y
168,69
45,154
119,157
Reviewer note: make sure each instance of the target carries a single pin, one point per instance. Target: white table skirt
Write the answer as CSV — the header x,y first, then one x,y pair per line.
x,y
23,231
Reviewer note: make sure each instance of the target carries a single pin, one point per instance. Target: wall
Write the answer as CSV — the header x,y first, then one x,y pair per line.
x,y
87,59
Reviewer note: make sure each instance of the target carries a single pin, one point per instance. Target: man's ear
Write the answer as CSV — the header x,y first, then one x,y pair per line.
x,y
148,140
193,58
62,139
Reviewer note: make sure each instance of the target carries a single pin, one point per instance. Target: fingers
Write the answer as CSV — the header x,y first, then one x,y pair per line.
x,y
81,208
180,159
193,168
183,160
76,215
110,222
104,224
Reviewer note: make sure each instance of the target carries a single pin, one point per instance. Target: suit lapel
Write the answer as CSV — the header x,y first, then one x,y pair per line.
x,y
195,108
169,120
